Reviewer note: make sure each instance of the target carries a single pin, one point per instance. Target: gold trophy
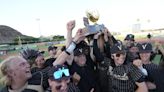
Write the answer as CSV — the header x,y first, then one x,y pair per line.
x,y
93,16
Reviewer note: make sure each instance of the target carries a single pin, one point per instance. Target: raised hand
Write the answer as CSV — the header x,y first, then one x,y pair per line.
x,y
80,35
137,63
76,78
71,25
96,36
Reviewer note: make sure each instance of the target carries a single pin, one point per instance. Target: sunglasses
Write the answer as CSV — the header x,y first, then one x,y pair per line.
x,y
59,74
119,54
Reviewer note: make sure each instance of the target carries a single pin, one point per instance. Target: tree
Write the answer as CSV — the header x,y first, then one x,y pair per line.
x,y
58,38
25,40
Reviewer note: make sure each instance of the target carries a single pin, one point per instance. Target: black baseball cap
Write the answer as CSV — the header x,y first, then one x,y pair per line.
x,y
118,48
80,48
78,51
52,48
58,72
129,37
145,48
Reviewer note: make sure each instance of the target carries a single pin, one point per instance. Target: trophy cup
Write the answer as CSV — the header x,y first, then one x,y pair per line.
x,y
91,29
93,16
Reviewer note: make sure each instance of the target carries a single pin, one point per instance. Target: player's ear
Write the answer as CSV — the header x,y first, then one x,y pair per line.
x,y
112,56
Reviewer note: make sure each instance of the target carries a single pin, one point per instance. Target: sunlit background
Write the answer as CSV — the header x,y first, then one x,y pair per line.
x,y
49,17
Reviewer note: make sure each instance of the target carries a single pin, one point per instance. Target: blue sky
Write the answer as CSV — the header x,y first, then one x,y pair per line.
x,y
117,15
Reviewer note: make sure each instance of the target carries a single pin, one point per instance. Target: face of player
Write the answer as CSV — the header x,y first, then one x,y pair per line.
x,y
128,43
59,86
145,57
53,52
21,69
134,49
119,58
40,61
80,60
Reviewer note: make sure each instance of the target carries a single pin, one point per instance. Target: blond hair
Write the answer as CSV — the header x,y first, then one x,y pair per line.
x,y
5,66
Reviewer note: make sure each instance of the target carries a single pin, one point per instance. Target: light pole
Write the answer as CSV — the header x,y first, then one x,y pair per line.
x,y
149,26
38,20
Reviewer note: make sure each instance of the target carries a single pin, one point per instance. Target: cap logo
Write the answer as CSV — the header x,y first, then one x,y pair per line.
x,y
130,36
119,47
144,46
80,50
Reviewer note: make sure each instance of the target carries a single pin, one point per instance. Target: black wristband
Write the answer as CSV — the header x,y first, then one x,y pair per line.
x,y
74,42
67,52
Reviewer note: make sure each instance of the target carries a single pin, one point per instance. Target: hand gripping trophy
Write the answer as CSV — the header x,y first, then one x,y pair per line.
x,y
93,16
92,29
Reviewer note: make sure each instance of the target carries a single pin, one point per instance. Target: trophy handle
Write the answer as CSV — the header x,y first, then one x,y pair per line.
x,y
86,22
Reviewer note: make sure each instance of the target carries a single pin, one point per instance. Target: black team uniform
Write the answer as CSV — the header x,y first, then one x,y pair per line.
x,y
158,76
151,67
121,78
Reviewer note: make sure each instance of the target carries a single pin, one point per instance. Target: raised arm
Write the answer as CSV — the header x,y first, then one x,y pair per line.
x,y
70,27
96,50
69,50
107,44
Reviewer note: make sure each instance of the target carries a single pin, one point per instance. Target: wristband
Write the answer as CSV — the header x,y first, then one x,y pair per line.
x,y
67,52
71,47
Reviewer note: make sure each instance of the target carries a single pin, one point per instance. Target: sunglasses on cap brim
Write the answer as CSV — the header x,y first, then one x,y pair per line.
x,y
119,54
57,75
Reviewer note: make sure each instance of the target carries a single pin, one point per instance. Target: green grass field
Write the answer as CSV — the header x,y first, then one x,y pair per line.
x,y
0,60
41,47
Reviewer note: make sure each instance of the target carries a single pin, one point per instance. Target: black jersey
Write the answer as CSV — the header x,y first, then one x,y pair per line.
x,y
123,78
158,76
87,81
150,68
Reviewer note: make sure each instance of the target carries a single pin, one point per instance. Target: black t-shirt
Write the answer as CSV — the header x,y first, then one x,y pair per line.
x,y
158,76
87,81
36,69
